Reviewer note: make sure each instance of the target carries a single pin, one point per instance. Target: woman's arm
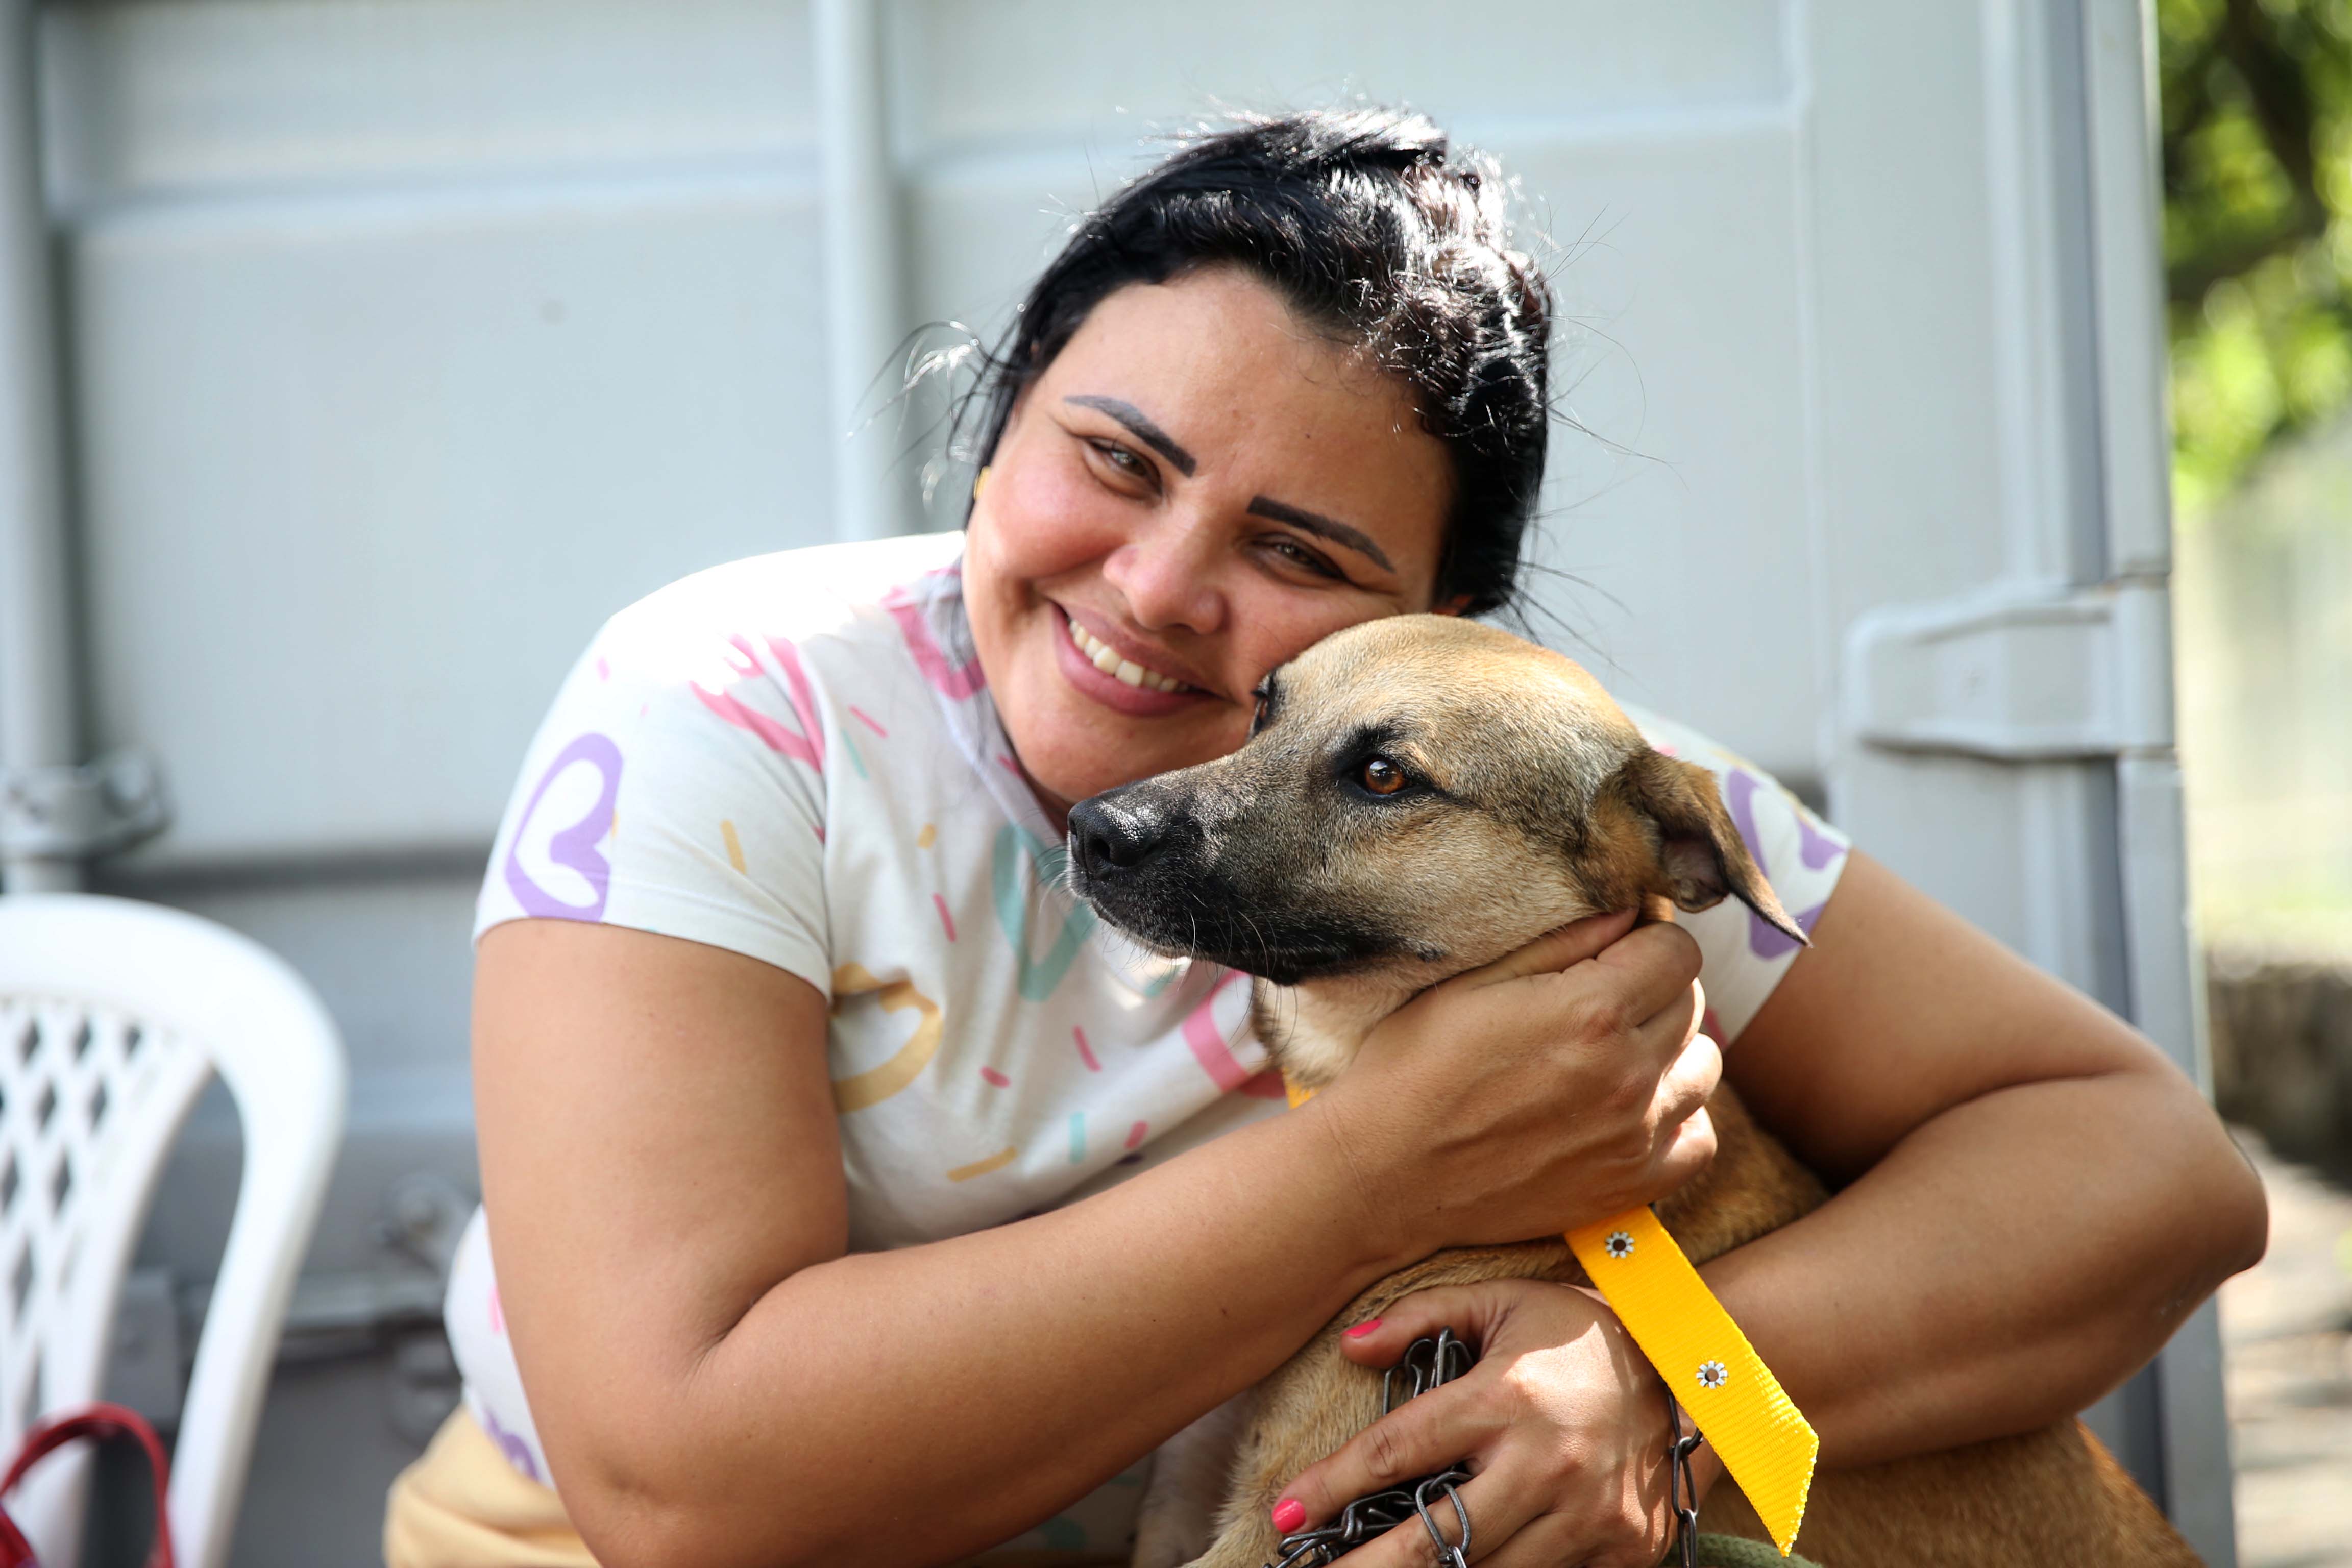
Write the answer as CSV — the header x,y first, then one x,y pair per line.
x,y
716,1381
2036,1197
2032,1199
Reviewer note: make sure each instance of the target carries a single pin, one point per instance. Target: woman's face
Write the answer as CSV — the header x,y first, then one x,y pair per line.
x,y
1198,488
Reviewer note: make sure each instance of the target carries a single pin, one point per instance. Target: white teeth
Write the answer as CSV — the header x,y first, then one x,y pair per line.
x,y
1105,657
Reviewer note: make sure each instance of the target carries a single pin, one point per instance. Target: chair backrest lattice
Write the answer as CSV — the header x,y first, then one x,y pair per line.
x,y
85,1090
113,1016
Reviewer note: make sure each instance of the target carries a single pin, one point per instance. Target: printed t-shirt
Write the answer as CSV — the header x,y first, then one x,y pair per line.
x,y
795,757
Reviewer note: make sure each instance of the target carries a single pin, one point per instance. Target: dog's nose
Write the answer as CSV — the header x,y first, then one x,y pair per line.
x,y
1108,834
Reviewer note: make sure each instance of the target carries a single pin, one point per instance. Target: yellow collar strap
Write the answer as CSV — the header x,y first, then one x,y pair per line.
x,y
1762,1439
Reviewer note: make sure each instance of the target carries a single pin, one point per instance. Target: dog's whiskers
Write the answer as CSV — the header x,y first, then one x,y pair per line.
x,y
1264,948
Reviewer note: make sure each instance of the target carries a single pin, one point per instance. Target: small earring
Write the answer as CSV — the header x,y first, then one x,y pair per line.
x,y
979,483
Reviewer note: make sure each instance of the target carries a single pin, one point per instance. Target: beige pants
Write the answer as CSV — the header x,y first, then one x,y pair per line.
x,y
463,1506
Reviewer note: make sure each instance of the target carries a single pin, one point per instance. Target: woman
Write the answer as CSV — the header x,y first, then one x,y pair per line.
x,y
854,1199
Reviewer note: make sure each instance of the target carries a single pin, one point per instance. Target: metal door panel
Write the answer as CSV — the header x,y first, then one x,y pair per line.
x,y
168,97
381,465
1017,71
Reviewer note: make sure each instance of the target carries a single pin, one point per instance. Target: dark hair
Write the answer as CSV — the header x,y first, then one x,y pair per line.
x,y
1371,227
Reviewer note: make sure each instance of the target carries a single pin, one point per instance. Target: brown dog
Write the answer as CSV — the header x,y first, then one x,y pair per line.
x,y
1419,796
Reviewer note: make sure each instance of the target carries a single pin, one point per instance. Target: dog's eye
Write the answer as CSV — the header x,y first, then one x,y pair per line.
x,y
1264,709
1381,776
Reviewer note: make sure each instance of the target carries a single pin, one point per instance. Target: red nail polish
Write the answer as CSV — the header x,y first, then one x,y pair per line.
x,y
1289,1514
1360,1330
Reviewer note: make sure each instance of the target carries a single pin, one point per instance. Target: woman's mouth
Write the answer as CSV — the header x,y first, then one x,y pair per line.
x,y
1126,671
1100,671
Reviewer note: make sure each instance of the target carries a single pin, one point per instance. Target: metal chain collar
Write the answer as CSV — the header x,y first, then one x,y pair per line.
x,y
1427,1364
1682,1492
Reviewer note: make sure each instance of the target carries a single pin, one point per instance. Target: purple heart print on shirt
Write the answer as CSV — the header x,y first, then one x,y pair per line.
x,y
574,845
517,1451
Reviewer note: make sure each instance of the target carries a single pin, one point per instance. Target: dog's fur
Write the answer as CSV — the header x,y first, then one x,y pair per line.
x,y
1533,801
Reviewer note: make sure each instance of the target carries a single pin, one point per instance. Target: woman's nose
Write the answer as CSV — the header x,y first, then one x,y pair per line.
x,y
1169,576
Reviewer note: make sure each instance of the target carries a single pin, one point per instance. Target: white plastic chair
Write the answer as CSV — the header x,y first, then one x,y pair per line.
x,y
113,1014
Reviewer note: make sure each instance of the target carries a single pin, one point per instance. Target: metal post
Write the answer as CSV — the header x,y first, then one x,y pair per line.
x,y
37,728
864,303
2118,43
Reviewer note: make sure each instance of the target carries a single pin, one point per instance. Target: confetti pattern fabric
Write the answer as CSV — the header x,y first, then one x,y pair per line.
x,y
796,757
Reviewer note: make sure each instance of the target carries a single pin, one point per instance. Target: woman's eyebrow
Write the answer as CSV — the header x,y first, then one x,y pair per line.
x,y
1323,527
1135,419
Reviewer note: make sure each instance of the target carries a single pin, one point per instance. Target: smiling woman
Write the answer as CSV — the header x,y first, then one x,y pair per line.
x,y
855,1197
1166,498
1293,379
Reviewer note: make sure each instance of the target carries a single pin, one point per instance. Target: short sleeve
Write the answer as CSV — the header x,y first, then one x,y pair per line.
x,y
674,787
1801,855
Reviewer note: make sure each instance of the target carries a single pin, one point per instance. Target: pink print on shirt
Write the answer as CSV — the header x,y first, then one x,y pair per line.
x,y
953,681
1216,1057
808,746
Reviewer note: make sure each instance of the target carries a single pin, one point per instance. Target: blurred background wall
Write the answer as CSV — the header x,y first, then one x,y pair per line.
x,y
2257,158
397,342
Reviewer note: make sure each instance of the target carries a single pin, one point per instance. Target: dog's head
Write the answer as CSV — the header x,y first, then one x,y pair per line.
x,y
1421,794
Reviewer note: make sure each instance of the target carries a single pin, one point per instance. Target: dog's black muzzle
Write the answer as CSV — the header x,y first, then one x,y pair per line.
x,y
1139,854
1116,836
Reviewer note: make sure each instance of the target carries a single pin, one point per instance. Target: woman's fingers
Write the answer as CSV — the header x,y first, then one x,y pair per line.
x,y
1419,1437
1649,969
1544,1543
1689,1150
1555,1541
1687,1133
1558,1421
1470,1310
1512,1525
1694,1070
1570,945
1503,1509
1663,1033
1458,1150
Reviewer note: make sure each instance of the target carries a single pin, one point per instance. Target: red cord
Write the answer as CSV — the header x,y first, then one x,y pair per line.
x,y
101,1422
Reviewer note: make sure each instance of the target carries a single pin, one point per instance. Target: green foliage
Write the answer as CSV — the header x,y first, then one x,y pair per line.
x,y
2257,142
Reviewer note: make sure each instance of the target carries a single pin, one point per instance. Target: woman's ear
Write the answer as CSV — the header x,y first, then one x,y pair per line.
x,y
1452,606
1700,853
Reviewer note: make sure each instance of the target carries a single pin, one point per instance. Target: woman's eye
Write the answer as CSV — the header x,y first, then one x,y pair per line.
x,y
1381,776
1119,458
1297,554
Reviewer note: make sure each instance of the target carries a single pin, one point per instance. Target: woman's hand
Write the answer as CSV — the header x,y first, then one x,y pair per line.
x,y
1559,1085
1563,1424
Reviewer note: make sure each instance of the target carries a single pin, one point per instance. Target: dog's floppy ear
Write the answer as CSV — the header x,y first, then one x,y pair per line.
x,y
1700,851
